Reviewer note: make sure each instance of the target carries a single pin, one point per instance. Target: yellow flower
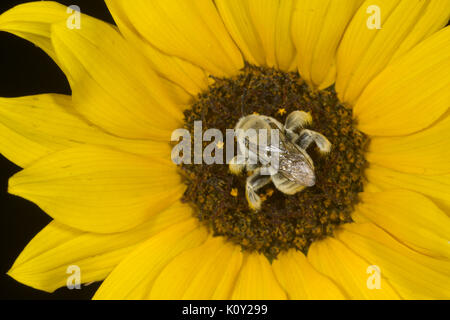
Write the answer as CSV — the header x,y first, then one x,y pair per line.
x,y
98,162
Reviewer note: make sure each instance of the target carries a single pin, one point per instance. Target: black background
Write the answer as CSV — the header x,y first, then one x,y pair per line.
x,y
26,70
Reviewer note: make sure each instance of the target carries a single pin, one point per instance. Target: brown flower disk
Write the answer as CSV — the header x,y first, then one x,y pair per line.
x,y
284,221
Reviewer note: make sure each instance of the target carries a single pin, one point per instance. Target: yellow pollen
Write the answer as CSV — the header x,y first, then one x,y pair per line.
x,y
281,111
220,145
234,192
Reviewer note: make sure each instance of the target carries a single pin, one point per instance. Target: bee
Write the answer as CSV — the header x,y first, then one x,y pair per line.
x,y
294,169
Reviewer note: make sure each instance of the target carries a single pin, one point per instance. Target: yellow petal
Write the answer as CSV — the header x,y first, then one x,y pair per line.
x,y
263,14
189,30
179,96
411,93
409,217
205,272
99,189
188,76
285,52
414,275
44,262
34,126
127,99
301,281
256,280
332,258
426,152
11,144
32,21
433,18
317,29
364,52
261,29
134,276
237,19
435,187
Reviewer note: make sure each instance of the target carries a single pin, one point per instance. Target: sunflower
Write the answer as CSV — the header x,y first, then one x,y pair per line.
x,y
376,224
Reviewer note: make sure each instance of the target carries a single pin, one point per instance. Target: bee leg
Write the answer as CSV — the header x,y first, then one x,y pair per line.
x,y
306,137
254,183
251,167
286,186
235,166
297,119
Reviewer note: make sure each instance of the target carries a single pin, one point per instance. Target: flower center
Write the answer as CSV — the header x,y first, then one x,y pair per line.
x,y
283,221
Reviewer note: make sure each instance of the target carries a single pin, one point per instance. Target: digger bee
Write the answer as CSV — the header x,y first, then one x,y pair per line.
x,y
294,169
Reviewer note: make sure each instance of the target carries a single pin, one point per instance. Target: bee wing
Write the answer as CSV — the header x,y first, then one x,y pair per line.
x,y
300,177
250,151
265,153
297,168
275,149
272,154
